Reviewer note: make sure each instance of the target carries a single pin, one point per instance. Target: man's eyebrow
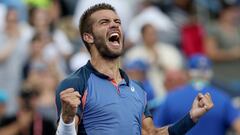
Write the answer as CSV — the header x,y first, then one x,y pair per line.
x,y
117,19
108,19
103,19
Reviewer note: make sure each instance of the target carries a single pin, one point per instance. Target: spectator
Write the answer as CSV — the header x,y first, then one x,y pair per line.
x,y
42,75
222,45
35,54
158,55
216,121
44,78
174,79
27,121
46,101
57,46
13,53
192,35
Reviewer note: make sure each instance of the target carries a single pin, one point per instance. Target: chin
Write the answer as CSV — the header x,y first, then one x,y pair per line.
x,y
118,51
112,54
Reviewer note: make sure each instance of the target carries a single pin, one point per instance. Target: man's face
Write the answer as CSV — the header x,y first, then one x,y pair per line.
x,y
107,33
150,36
41,18
11,18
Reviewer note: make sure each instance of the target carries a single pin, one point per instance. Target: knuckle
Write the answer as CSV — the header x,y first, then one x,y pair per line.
x,y
71,88
73,105
62,96
62,93
63,99
68,90
66,102
76,92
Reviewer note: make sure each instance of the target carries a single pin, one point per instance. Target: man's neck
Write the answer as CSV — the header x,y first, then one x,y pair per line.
x,y
107,67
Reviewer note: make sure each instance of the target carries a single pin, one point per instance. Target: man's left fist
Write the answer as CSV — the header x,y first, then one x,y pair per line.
x,y
201,105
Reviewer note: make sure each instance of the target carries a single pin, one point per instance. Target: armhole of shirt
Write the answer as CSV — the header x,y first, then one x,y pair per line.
x,y
78,80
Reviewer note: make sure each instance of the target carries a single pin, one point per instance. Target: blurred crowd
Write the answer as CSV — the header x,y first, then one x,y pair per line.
x,y
175,48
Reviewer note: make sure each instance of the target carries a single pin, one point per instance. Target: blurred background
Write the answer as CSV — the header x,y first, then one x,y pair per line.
x,y
176,48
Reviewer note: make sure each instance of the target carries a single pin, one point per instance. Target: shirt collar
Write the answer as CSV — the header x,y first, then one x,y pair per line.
x,y
101,75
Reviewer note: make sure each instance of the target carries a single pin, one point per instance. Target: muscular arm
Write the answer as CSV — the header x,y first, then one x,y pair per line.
x,y
149,129
68,123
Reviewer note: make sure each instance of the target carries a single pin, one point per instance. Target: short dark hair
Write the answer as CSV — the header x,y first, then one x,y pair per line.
x,y
85,24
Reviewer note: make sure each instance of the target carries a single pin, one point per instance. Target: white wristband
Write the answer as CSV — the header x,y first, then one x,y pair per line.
x,y
66,129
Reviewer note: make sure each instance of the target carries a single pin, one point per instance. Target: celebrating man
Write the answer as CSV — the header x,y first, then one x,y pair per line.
x,y
99,98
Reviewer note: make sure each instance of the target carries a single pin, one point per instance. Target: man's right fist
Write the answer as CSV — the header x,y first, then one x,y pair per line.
x,y
70,100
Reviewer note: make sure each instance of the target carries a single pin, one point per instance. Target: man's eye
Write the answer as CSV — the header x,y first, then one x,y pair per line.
x,y
103,22
119,22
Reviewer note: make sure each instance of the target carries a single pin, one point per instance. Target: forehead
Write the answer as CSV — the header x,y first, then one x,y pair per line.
x,y
12,12
104,14
149,28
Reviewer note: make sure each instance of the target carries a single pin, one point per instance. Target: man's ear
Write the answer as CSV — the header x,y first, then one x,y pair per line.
x,y
88,38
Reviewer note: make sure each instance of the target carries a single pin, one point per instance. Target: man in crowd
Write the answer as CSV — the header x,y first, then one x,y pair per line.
x,y
218,120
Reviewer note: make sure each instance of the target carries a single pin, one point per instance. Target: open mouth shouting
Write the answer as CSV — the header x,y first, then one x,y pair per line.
x,y
114,39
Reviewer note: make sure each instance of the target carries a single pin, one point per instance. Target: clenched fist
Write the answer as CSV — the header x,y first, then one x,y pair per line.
x,y
201,105
70,100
